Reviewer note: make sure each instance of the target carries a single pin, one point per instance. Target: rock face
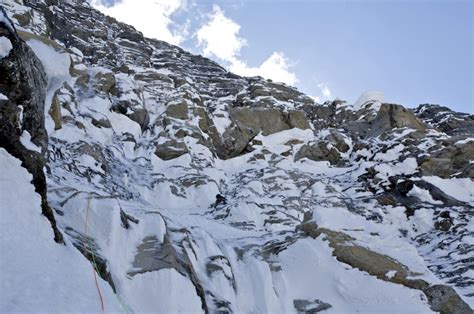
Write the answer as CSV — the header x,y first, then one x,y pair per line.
x,y
23,82
204,191
446,120
391,116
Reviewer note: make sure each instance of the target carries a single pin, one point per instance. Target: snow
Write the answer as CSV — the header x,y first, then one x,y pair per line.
x,y
25,140
3,97
5,47
348,290
390,274
56,65
407,166
423,195
369,96
174,291
32,262
223,248
459,188
465,141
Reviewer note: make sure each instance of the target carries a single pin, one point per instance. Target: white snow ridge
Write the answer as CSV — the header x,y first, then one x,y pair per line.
x,y
171,185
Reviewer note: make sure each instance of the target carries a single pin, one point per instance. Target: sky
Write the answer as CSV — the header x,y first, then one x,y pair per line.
x,y
414,51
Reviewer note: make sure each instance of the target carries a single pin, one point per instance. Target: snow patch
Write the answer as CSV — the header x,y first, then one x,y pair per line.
x,y
25,140
465,141
423,195
5,47
460,188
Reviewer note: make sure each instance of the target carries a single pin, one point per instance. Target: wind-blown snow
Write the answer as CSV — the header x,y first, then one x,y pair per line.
x,y
369,96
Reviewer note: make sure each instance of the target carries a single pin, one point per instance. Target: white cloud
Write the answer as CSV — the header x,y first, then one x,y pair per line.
x,y
220,38
276,68
316,99
325,90
151,17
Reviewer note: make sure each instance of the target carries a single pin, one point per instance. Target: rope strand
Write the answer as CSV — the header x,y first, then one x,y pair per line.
x,y
94,265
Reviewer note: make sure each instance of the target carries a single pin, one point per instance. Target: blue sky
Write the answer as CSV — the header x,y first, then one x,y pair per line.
x,y
414,51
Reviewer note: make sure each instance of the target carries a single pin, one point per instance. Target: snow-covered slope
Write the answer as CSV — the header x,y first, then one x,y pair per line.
x,y
203,191
36,273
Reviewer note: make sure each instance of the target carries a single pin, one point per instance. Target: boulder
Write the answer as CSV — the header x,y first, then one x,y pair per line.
x,y
55,112
171,149
134,111
446,120
297,119
310,307
105,82
391,116
445,300
256,120
320,151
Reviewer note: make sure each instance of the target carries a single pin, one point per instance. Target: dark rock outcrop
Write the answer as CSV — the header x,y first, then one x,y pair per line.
x,y
23,81
446,120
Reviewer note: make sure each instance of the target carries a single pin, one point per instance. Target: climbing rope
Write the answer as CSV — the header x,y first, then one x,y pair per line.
x,y
94,264
95,268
